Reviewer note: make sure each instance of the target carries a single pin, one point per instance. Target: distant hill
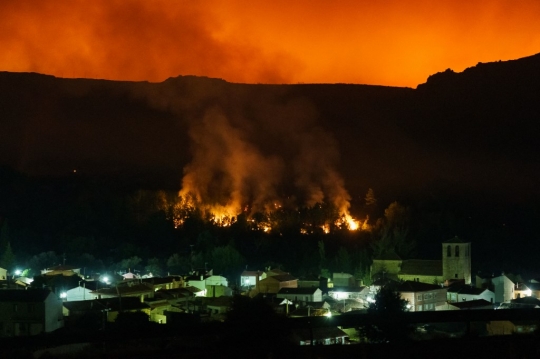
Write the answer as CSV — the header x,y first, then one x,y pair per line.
x,y
474,131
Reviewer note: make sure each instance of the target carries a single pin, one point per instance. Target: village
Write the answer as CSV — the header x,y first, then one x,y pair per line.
x,y
63,297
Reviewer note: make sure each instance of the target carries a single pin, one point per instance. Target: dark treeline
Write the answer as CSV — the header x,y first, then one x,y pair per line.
x,y
103,224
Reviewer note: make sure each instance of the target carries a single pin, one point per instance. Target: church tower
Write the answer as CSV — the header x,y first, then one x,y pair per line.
x,y
456,259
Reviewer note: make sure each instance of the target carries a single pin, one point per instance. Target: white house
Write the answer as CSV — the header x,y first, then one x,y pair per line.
x,y
250,278
79,293
216,280
465,293
502,286
29,312
3,274
300,294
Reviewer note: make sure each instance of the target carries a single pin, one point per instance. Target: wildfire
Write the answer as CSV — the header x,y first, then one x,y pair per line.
x,y
326,228
226,216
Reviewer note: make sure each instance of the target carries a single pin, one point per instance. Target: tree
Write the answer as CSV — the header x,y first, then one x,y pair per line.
x,y
178,264
323,264
389,322
128,263
226,259
8,258
4,234
343,260
42,261
370,199
393,232
153,265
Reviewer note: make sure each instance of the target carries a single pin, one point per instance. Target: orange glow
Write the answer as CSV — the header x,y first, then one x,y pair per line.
x,y
393,42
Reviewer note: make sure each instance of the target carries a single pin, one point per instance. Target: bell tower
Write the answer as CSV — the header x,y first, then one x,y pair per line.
x,y
456,259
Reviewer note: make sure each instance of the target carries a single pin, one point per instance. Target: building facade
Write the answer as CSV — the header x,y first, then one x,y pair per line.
x,y
456,260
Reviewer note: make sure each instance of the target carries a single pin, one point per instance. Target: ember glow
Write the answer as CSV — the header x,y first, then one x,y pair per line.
x,y
354,41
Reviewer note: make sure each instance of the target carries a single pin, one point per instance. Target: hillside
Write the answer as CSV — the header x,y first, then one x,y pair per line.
x,y
473,130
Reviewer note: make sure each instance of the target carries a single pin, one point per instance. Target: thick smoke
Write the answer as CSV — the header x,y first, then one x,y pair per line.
x,y
252,150
315,171
227,172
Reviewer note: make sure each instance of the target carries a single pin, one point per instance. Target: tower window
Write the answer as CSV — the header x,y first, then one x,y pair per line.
x,y
457,251
449,251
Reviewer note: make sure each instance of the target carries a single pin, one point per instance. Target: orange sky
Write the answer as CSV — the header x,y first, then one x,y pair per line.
x,y
393,42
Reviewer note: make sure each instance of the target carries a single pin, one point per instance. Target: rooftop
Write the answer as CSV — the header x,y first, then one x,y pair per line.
x,y
27,295
421,267
456,239
410,286
301,290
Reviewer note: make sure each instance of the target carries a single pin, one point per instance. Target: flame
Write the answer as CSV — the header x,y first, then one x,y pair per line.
x,y
326,228
352,224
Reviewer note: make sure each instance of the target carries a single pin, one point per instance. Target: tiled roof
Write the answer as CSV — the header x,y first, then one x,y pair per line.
x,y
421,267
29,295
282,277
301,290
410,286
113,304
124,290
456,239
276,271
162,280
466,289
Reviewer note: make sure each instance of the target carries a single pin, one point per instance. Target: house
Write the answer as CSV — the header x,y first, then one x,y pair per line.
x,y
521,290
109,308
218,307
455,263
314,281
300,294
422,270
361,294
129,289
274,283
423,296
319,336
168,282
158,309
198,281
308,309
471,305
462,293
343,280
82,292
273,272
250,278
29,312
501,285
64,270
217,286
